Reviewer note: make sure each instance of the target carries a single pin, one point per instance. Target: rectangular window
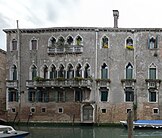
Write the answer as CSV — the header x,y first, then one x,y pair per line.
x,y
42,96
104,95
129,95
152,96
129,73
78,95
14,45
152,73
104,74
155,111
13,96
61,96
31,96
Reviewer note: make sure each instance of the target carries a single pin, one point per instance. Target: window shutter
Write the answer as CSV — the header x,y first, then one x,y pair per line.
x,y
56,96
148,42
156,42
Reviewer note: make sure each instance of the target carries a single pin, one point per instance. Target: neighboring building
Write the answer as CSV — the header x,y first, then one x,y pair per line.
x,y
2,84
84,74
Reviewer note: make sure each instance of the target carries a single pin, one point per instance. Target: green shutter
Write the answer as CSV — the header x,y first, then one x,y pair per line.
x,y
148,43
156,42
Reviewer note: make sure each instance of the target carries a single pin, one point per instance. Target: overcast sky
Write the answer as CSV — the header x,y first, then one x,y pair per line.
x,y
90,13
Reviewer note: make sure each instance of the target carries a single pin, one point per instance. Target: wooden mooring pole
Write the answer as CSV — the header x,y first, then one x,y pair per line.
x,y
130,124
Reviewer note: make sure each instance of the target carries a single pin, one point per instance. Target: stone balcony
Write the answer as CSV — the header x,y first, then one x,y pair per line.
x,y
12,83
60,83
103,82
128,82
74,49
153,83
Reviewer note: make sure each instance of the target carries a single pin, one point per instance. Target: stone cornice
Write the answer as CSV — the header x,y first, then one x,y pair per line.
x,y
86,29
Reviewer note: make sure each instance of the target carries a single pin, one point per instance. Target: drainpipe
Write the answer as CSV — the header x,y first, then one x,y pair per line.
x,y
96,74
19,67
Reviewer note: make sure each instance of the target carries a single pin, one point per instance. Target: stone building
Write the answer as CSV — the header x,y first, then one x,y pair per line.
x,y
2,84
84,74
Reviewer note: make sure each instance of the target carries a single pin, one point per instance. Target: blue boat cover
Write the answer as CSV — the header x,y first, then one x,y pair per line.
x,y
148,122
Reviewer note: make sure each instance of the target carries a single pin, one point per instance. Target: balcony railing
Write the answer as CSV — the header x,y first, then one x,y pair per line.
x,y
11,83
66,49
103,82
60,83
153,83
128,82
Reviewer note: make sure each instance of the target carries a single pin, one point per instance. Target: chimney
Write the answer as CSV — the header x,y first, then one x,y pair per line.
x,y
116,16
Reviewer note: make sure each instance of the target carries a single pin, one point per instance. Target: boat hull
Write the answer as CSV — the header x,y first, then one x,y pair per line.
x,y
144,124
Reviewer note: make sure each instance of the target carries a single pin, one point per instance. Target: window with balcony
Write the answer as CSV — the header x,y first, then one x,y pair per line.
x,y
70,40
104,95
104,42
70,72
53,72
152,95
129,71
61,41
87,71
61,72
129,43
14,73
52,42
78,72
104,71
45,72
12,95
14,44
129,94
33,72
79,40
152,72
34,44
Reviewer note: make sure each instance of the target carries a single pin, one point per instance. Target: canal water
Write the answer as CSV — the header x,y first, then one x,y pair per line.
x,y
89,132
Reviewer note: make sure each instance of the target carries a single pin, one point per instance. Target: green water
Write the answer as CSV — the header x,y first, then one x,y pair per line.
x,y
89,132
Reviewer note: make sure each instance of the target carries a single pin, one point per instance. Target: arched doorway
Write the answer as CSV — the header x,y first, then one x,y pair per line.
x,y
87,113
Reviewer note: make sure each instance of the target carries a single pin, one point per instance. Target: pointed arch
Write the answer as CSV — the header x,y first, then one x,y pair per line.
x,y
129,43
152,71
60,40
129,71
152,42
34,44
69,40
87,70
104,41
61,71
70,71
44,71
14,44
53,71
52,41
104,71
13,72
33,72
78,40
78,70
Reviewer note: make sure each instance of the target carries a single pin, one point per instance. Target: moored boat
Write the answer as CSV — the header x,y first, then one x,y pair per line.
x,y
144,123
10,132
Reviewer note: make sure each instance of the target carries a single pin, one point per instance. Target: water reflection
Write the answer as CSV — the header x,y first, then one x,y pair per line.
x,y
88,132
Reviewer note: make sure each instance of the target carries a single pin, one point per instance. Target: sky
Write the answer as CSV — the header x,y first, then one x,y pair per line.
x,y
78,13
